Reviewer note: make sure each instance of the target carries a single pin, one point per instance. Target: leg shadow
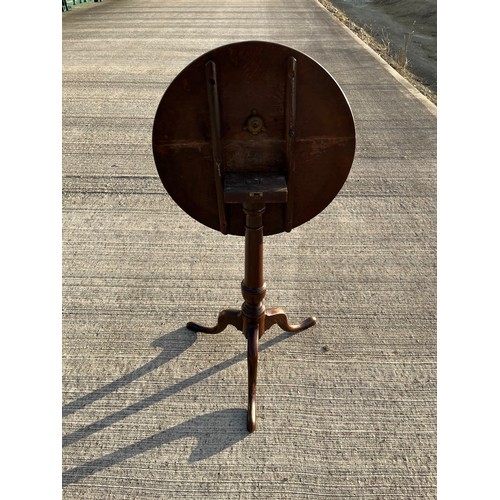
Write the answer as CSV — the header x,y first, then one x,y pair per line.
x,y
173,344
214,432
99,425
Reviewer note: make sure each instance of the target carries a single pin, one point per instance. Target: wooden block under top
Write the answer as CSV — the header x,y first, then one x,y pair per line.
x,y
240,187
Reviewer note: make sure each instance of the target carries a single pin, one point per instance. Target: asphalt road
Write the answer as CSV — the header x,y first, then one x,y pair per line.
x,y
407,27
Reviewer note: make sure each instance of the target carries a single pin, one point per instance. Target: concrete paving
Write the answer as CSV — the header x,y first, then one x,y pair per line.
x,y
151,410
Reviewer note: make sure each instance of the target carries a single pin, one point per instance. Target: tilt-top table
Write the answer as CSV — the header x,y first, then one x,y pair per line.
x,y
253,138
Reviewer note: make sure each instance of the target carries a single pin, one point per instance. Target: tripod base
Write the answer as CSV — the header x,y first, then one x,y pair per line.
x,y
253,319
234,317
253,331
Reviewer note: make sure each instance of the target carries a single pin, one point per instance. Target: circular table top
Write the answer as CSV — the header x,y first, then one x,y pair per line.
x,y
253,107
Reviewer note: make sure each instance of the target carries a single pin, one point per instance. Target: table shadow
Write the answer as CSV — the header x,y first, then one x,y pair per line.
x,y
214,432
166,355
172,344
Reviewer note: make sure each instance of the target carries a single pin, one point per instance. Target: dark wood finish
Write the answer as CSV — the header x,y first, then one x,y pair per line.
x,y
213,106
270,108
250,139
253,319
291,113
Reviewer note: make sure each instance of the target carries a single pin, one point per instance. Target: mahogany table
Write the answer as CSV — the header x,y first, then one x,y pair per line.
x,y
251,139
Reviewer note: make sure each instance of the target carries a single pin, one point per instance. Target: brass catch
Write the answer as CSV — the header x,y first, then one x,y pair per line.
x,y
254,124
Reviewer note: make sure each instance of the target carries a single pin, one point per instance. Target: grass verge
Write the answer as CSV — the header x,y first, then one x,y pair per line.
x,y
382,49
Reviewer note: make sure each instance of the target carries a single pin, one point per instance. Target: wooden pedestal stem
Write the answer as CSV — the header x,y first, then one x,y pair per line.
x,y
253,319
253,289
